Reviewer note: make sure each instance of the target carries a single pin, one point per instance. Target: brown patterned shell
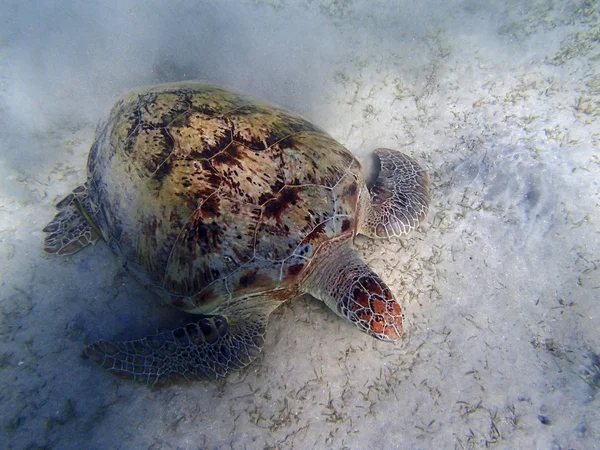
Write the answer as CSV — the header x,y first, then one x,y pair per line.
x,y
208,195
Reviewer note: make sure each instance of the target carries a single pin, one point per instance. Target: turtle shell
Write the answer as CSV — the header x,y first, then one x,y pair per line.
x,y
209,195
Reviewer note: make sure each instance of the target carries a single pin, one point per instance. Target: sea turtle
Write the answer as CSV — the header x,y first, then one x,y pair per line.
x,y
226,207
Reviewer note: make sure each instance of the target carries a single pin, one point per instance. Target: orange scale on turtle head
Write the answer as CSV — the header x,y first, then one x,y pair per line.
x,y
377,324
379,306
394,308
392,333
364,314
361,298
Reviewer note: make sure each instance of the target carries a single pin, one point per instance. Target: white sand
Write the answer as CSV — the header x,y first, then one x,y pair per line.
x,y
501,285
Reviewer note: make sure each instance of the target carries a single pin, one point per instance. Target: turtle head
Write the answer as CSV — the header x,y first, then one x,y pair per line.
x,y
369,305
352,290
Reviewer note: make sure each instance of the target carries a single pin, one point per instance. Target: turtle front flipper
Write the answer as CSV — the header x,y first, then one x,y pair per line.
x,y
209,348
72,228
352,290
399,199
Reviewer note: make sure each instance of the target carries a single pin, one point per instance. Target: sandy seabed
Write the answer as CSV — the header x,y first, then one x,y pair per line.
x,y
501,287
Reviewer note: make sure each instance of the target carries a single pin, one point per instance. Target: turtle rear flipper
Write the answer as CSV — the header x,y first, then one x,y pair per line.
x,y
209,348
72,228
399,199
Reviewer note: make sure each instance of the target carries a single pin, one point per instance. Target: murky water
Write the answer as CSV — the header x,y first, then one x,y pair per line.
x,y
499,101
